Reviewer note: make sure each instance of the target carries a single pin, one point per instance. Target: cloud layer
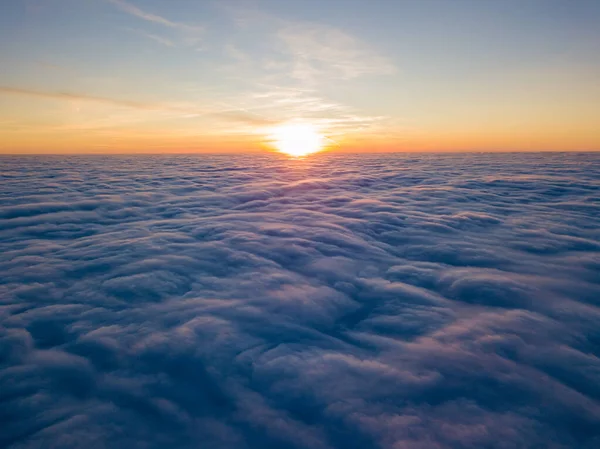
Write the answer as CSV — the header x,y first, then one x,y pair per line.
x,y
401,302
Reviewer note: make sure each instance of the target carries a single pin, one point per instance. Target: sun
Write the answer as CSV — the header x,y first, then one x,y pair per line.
x,y
299,139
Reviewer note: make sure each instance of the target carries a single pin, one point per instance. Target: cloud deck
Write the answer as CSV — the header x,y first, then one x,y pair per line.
x,y
412,301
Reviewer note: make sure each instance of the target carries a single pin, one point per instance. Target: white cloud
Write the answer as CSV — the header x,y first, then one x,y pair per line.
x,y
156,38
290,67
412,301
139,13
190,35
322,53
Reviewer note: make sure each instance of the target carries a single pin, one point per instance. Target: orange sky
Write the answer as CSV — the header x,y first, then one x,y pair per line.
x,y
129,76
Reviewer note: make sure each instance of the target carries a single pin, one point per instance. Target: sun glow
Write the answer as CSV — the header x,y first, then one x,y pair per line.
x,y
297,139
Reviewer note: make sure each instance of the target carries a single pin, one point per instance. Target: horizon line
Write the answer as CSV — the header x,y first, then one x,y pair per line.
x,y
263,152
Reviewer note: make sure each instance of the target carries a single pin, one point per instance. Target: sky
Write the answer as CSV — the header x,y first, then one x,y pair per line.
x,y
116,76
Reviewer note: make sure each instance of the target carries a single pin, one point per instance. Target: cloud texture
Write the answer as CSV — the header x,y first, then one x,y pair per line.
x,y
398,302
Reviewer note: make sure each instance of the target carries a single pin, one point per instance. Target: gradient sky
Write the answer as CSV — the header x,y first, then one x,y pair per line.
x,y
373,75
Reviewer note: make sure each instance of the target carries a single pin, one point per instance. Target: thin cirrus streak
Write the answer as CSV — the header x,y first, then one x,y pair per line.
x,y
394,301
156,38
144,15
91,98
227,109
227,112
185,34
320,52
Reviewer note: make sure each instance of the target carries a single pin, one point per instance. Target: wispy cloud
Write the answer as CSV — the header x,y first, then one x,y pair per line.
x,y
188,35
89,98
284,78
277,104
137,12
312,52
294,67
227,113
156,38
320,51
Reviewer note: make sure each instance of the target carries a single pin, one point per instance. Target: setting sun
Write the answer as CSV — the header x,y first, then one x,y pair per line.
x,y
297,139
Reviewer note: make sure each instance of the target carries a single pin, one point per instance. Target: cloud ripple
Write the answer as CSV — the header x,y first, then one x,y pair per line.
x,y
401,302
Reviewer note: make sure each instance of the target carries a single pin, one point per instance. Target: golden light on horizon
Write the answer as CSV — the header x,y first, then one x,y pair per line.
x,y
297,139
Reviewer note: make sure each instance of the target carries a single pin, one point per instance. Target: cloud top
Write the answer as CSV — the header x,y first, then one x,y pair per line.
x,y
394,301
